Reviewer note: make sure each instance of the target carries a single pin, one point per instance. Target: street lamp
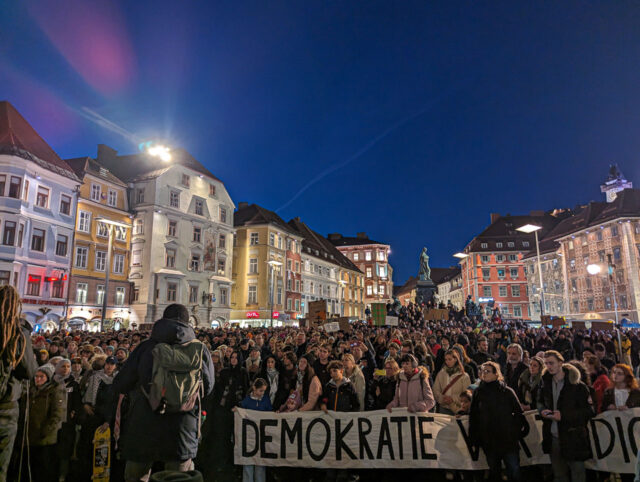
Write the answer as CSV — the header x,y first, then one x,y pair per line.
x,y
595,269
461,256
111,225
273,263
158,150
528,229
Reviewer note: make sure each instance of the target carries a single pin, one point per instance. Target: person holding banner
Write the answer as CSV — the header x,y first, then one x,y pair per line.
x,y
413,390
564,405
496,423
623,392
256,400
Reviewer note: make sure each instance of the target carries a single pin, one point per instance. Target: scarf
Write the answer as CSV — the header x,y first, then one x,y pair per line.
x,y
451,371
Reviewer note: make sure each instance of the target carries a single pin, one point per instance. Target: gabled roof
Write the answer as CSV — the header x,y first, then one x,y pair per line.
x,y
408,287
340,240
441,275
316,242
86,165
134,167
19,138
254,215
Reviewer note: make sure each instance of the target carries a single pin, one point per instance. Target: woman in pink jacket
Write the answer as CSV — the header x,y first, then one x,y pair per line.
x,y
308,385
413,391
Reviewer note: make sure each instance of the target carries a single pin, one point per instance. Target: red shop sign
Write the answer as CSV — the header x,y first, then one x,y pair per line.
x,y
253,314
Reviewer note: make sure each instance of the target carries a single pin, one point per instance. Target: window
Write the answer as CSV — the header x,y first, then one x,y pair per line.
x,y
499,258
368,271
221,267
33,285
65,204
590,304
515,291
14,187
42,198
369,290
103,230
574,285
174,199
623,302
138,226
279,295
136,258
120,292
498,245
570,244
223,214
601,256
8,237
614,231
254,239
297,305
186,180
170,258
289,284
381,289
484,245
95,192
297,266
136,294
356,256
81,256
513,258
172,291
367,256
4,277
212,189
253,265
272,239
510,244
501,273
288,304
81,292
193,294
139,195
61,245
486,273
572,264
99,294
502,291
607,303
381,256
197,234
112,199
616,254
57,289
253,295
3,184
505,310
576,308
118,264
599,235
224,297
280,242
172,228
101,260
297,285
121,233
485,259
517,311
84,221
199,207
222,241
513,272
37,240
194,265
525,244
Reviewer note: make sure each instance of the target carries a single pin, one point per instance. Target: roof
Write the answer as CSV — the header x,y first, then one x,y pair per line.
x,y
135,167
442,275
313,242
86,165
408,287
363,239
19,138
254,215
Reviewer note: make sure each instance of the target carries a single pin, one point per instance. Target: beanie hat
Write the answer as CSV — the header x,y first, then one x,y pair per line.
x,y
178,312
48,370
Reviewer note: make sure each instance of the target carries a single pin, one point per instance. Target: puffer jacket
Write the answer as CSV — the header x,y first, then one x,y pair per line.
x,y
47,411
341,398
415,393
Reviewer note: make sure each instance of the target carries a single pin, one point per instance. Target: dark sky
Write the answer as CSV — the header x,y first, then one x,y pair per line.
x,y
410,120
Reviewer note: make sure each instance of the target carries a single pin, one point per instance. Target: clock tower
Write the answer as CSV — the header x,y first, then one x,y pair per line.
x,y
615,183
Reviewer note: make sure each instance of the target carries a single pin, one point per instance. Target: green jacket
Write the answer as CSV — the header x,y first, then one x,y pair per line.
x,y
47,411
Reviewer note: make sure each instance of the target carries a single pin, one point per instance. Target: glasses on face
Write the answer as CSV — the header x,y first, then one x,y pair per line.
x,y
486,370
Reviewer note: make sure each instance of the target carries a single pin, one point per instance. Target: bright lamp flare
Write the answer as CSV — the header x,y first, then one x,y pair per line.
x,y
163,152
593,269
528,228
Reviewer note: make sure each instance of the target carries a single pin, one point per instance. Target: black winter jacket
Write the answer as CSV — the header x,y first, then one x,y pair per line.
x,y
340,399
148,436
575,411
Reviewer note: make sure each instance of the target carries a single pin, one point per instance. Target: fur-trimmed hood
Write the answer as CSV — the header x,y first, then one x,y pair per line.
x,y
422,371
571,374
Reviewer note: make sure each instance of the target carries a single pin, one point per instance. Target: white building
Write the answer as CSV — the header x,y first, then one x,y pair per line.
x,y
38,199
181,246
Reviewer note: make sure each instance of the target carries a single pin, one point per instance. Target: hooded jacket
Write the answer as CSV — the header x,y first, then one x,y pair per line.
x,y
25,370
341,398
575,410
47,408
148,436
415,393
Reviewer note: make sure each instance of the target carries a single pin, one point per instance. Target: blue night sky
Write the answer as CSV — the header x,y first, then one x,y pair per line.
x,y
410,120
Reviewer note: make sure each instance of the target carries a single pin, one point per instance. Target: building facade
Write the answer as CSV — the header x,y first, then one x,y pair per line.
x,y
102,196
406,293
181,241
372,259
38,198
445,280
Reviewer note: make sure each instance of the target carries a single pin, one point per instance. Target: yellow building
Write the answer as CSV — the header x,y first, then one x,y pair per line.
x,y
102,196
352,291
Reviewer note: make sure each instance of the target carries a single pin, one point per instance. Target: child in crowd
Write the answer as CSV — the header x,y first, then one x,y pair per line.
x,y
256,400
465,402
293,403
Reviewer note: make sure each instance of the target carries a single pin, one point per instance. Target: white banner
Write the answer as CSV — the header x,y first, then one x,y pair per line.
x,y
380,439
391,321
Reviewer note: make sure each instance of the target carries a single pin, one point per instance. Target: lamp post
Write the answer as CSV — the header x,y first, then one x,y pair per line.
x,y
528,229
273,263
596,269
111,225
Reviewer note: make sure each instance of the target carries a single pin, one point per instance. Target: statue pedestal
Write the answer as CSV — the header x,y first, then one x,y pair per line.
x,y
425,290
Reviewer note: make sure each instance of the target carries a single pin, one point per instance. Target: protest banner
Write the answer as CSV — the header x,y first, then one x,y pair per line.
x,y
380,439
391,321
331,327
378,313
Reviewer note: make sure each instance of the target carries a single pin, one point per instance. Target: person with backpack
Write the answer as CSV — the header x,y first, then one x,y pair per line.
x,y
163,420
413,390
17,363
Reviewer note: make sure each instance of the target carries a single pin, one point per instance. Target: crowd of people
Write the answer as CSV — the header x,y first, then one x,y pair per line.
x,y
57,389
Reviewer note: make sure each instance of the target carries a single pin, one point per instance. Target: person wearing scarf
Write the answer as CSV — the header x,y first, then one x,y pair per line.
x,y
450,382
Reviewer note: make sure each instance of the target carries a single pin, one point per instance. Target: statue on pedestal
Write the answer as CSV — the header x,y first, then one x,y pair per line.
x,y
425,271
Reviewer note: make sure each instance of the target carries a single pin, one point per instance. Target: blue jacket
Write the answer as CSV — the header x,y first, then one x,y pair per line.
x,y
148,436
263,405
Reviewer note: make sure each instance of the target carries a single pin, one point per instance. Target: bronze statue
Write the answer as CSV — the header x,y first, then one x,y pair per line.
x,y
425,271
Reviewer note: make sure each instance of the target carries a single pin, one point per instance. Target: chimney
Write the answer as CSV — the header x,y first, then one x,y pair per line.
x,y
494,217
334,236
243,205
362,236
106,153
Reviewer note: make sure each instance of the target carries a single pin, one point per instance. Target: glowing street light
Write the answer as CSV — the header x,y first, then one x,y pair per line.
x,y
273,264
461,255
158,150
528,229
594,269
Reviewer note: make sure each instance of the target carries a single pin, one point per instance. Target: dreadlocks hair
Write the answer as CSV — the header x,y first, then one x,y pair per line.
x,y
11,336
